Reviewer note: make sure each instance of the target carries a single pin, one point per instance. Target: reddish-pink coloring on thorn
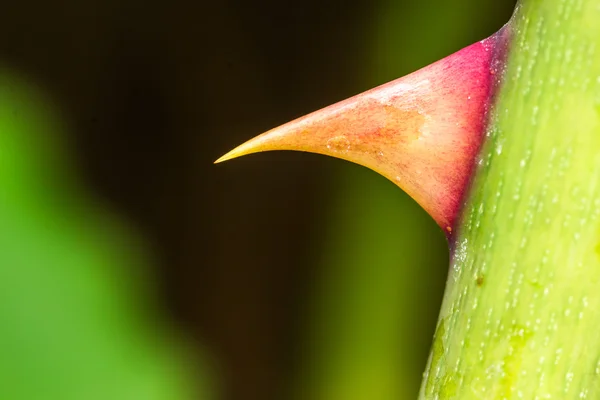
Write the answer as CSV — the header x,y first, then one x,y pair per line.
x,y
422,131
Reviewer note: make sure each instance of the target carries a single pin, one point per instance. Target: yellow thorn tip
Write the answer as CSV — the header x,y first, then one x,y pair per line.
x,y
251,146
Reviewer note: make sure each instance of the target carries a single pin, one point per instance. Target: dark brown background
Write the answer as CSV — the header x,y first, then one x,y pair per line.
x,y
156,91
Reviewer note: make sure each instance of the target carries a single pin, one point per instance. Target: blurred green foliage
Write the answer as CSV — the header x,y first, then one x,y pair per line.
x,y
76,320
72,325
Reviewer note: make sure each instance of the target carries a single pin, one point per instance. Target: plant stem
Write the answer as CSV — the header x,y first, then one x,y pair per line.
x,y
521,313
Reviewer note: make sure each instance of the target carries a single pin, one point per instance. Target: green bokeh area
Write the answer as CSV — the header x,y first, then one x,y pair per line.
x,y
77,316
72,325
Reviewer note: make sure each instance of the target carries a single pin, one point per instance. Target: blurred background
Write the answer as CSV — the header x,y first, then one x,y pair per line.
x,y
131,267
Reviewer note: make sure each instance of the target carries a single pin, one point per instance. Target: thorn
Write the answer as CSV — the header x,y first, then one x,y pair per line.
x,y
422,131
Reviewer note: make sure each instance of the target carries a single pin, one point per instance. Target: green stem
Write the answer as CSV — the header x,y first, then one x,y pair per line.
x,y
521,313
